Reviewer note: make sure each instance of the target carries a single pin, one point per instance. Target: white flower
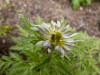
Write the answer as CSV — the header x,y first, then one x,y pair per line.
x,y
55,37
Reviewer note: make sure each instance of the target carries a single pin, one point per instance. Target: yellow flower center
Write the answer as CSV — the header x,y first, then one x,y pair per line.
x,y
57,39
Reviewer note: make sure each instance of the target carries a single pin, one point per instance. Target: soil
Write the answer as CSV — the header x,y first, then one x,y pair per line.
x,y
86,18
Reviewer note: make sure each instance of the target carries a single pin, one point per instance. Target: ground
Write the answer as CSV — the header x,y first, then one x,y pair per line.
x,y
86,18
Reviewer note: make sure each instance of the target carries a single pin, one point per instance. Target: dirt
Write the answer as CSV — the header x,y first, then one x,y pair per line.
x,y
86,18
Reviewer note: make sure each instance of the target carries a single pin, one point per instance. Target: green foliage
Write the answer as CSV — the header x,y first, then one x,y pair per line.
x,y
4,30
76,3
31,60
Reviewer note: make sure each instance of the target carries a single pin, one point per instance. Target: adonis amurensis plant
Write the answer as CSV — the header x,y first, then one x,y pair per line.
x,y
51,49
55,37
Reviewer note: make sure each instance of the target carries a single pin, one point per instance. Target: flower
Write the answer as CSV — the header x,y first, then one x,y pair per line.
x,y
55,37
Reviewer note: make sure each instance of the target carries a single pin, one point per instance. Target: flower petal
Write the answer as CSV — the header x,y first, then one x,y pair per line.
x,y
73,34
49,50
58,24
67,48
39,43
66,36
53,23
70,40
46,44
61,50
69,44
65,28
34,28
